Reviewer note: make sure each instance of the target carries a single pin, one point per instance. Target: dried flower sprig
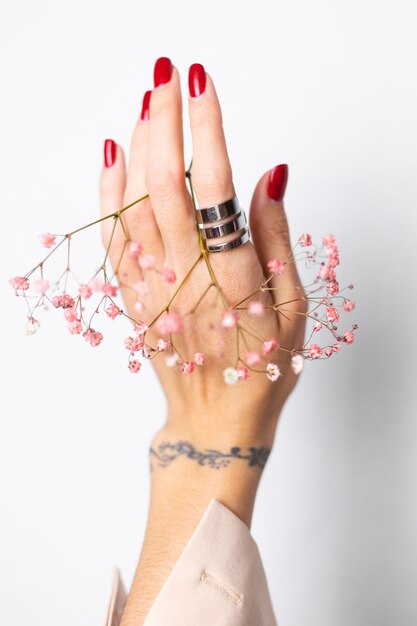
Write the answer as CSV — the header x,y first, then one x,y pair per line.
x,y
100,293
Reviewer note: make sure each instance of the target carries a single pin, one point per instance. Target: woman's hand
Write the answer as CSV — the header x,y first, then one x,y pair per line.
x,y
202,408
210,425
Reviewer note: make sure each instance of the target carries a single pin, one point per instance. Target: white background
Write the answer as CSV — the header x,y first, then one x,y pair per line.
x,y
326,86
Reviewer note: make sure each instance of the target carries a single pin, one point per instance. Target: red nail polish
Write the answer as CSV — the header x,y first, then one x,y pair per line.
x,y
277,182
162,72
196,80
144,116
109,152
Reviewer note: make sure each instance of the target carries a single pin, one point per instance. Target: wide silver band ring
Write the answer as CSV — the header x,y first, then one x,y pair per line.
x,y
226,228
226,219
229,245
218,212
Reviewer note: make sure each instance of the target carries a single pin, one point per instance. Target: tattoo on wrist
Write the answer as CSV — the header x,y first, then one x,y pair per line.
x,y
165,453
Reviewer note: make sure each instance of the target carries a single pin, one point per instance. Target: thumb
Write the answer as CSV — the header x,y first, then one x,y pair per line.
x,y
268,221
271,238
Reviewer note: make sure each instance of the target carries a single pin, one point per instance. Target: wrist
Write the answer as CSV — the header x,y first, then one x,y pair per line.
x,y
187,473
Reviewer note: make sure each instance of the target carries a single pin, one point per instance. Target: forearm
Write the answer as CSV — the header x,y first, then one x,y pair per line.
x,y
185,477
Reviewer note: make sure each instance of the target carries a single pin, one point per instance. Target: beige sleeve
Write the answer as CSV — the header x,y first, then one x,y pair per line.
x,y
218,579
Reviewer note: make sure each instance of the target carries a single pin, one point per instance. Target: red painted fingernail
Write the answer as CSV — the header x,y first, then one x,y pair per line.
x,y
277,182
109,152
196,80
162,72
144,116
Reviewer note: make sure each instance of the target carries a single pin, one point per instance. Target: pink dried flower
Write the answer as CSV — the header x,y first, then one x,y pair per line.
x,y
109,290
275,266
47,240
252,358
269,346
336,347
348,337
41,285
328,352
229,319
329,240
272,372
305,240
134,343
75,327
169,323
333,260
187,367
171,359
113,311
141,287
324,272
93,337
314,351
147,261
256,308
64,301
85,291
199,358
317,326
332,274
135,249
332,314
134,366
162,345
242,373
140,328
297,363
333,287
349,305
19,282
70,314
96,284
168,275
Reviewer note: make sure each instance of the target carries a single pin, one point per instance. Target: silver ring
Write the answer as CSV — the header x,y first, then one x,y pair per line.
x,y
218,212
229,245
226,219
221,230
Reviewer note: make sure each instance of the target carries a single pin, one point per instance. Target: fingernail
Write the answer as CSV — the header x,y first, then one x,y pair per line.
x,y
277,182
162,72
144,116
109,152
196,80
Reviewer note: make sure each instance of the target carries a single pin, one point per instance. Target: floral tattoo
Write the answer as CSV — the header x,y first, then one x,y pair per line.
x,y
165,453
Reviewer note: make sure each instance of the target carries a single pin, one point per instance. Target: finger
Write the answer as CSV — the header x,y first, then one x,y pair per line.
x,y
112,186
140,219
269,228
211,170
165,176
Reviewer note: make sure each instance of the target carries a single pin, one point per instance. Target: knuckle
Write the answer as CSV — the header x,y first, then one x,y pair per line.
x,y
163,184
214,184
160,106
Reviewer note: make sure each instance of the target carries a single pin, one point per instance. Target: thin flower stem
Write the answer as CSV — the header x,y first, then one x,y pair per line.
x,y
116,219
201,298
178,289
40,264
106,217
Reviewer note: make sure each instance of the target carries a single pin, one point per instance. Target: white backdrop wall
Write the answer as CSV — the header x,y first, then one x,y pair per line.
x,y
328,87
